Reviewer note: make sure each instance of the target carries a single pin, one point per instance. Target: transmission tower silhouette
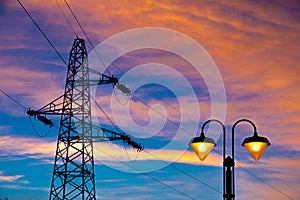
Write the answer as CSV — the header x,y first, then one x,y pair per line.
x,y
74,174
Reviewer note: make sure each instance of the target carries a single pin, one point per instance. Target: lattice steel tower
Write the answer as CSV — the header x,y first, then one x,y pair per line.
x,y
73,174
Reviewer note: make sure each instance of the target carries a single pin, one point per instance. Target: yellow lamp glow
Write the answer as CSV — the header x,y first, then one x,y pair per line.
x,y
202,146
256,146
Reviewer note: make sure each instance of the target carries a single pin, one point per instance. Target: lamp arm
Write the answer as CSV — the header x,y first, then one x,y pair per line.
x,y
224,143
212,120
232,137
232,131
244,120
224,133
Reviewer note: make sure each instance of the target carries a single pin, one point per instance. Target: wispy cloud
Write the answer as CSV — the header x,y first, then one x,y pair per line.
x,y
27,147
254,44
13,178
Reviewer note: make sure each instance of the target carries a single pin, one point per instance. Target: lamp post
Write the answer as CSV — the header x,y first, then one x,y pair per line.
x,y
255,145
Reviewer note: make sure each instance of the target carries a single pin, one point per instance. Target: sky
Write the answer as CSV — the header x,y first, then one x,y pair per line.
x,y
185,62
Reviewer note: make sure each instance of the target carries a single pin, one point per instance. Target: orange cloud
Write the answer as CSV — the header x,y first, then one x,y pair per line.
x,y
28,147
255,46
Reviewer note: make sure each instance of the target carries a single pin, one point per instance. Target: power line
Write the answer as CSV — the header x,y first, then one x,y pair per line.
x,y
270,185
100,60
260,179
215,150
21,105
66,64
42,32
145,174
112,123
63,13
14,100
207,185
173,122
180,170
36,131
87,37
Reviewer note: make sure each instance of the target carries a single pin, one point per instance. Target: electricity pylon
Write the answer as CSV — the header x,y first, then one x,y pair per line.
x,y
73,175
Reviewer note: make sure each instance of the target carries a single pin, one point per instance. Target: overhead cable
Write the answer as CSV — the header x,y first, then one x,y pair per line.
x,y
42,32
13,99
145,174
87,37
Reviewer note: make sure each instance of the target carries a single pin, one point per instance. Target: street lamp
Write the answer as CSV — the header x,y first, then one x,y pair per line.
x,y
256,145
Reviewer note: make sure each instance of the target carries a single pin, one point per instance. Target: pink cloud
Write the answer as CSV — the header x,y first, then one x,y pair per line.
x,y
4,178
28,147
255,46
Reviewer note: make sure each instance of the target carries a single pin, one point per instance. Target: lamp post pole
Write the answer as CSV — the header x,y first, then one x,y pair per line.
x,y
228,165
203,145
225,182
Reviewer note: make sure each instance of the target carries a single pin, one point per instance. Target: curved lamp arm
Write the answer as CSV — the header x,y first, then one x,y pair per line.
x,y
232,137
232,131
224,133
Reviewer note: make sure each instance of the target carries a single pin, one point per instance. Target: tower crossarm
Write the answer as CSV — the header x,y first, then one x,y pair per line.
x,y
52,108
103,79
55,107
100,134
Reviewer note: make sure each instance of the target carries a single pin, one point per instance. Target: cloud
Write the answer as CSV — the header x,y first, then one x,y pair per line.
x,y
27,147
28,87
4,178
254,44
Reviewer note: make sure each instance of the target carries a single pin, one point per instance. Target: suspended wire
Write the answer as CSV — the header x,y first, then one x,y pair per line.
x,y
87,37
42,32
128,157
180,170
260,179
270,185
36,132
92,45
278,179
213,149
192,135
66,64
14,100
116,127
145,174
119,101
84,32
102,110
66,18
211,187
263,169
107,71
34,129
165,117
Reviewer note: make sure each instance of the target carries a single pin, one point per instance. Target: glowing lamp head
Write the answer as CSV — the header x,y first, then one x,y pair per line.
x,y
202,146
256,145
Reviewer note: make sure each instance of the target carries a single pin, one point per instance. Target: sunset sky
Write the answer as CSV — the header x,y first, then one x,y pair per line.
x,y
251,47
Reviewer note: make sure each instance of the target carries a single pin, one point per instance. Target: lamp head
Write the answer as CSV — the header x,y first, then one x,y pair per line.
x,y
256,145
202,146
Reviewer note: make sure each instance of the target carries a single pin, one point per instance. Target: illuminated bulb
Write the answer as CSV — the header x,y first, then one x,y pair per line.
x,y
202,146
256,149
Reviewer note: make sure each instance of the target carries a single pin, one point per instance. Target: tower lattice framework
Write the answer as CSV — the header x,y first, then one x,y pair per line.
x,y
73,175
